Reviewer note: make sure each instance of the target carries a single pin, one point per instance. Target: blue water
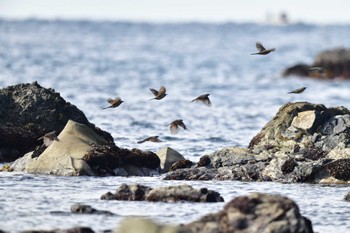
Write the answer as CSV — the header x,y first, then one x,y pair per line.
x,y
88,62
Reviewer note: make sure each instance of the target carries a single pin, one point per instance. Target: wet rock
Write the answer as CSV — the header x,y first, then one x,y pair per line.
x,y
70,230
347,197
335,63
181,164
178,193
255,213
87,209
81,151
168,157
304,142
29,111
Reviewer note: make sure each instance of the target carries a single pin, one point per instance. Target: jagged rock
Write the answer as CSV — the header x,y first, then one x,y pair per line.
x,y
28,111
178,193
81,151
254,213
335,64
168,156
87,209
304,142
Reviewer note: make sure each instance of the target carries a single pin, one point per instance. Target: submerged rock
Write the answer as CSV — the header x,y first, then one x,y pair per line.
x,y
87,209
304,142
81,151
334,63
178,193
28,111
70,230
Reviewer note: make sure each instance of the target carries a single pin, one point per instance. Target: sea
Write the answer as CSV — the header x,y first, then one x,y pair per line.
x,y
88,62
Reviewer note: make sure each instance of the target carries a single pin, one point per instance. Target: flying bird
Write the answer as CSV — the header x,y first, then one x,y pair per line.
x,y
49,138
204,99
158,94
297,91
114,102
150,139
174,126
262,50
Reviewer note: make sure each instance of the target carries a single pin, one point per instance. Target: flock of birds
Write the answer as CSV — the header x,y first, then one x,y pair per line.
x,y
175,125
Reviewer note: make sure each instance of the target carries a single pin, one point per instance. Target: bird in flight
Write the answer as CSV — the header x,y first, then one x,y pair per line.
x,y
150,139
158,94
174,126
49,138
114,102
297,91
204,99
261,49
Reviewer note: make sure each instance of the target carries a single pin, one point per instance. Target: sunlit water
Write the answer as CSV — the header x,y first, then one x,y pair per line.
x,y
88,62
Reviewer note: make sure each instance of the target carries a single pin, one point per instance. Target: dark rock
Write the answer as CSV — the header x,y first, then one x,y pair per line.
x,y
181,164
335,63
339,169
71,230
87,209
347,197
178,193
204,161
104,159
29,111
255,213
288,166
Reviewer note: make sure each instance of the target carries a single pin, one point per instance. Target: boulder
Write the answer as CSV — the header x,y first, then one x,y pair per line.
x,y
347,197
28,111
254,213
81,151
168,156
335,63
304,142
179,193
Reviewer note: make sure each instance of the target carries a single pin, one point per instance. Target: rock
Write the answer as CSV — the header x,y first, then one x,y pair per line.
x,y
304,142
255,213
181,164
28,111
138,225
347,197
87,209
178,193
168,157
81,151
334,62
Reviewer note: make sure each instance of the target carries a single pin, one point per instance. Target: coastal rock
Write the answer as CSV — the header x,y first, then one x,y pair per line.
x,y
138,225
347,197
178,193
87,209
304,142
28,111
81,151
255,213
70,230
335,63
168,156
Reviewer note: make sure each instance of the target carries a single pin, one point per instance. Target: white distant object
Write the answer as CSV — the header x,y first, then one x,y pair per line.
x,y
281,18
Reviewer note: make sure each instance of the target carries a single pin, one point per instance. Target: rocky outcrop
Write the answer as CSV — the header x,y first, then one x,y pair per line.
x,y
335,63
81,151
178,193
304,142
245,214
28,111
255,213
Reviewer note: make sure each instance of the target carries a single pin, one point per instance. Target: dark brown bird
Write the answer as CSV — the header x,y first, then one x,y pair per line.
x,y
49,138
114,102
150,139
204,99
297,91
262,50
174,126
158,94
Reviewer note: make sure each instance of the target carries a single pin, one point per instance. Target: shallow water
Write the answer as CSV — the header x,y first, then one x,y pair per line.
x,y
88,62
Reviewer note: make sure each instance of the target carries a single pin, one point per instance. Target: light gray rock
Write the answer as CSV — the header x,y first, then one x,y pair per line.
x,y
168,157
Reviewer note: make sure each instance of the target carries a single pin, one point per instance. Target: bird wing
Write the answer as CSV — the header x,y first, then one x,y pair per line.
x,y
182,125
259,46
155,92
162,90
110,100
207,102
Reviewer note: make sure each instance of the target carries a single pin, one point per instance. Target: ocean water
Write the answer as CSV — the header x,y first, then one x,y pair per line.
x,y
88,62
